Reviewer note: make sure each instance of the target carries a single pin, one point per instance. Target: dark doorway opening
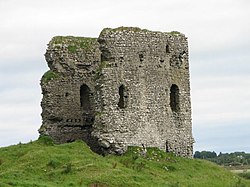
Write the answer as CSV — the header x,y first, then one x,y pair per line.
x,y
86,106
85,101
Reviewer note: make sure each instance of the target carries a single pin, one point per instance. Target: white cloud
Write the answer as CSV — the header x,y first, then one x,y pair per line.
x,y
221,99
19,122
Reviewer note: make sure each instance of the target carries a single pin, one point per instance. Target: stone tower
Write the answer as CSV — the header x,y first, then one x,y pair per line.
x,y
127,87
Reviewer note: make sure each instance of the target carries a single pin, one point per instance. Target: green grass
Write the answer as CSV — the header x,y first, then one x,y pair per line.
x,y
174,33
41,163
73,44
122,28
49,75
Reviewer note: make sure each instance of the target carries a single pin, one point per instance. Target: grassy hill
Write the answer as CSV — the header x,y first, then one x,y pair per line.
x,y
43,164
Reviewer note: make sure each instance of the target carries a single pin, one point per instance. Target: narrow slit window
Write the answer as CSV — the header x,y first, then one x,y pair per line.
x,y
122,97
86,106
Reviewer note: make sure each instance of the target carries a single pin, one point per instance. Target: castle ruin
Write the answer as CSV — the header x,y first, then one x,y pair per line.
x,y
127,87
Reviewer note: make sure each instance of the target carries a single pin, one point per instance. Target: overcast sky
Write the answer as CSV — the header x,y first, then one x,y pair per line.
x,y
218,32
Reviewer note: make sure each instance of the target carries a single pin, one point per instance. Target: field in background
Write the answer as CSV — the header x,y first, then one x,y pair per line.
x,y
239,169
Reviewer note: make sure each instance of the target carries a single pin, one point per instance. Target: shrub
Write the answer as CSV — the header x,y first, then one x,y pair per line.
x,y
53,163
49,75
169,168
45,140
245,175
68,168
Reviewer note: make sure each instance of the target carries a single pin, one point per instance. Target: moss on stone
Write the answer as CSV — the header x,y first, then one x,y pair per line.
x,y
98,113
102,64
73,44
134,29
72,48
49,75
57,40
174,33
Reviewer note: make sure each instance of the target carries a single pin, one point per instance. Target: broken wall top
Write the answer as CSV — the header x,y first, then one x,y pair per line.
x,y
70,55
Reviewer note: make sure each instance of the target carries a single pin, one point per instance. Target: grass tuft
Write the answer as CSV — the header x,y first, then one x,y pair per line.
x,y
72,48
49,75
174,33
67,168
53,163
45,140
73,44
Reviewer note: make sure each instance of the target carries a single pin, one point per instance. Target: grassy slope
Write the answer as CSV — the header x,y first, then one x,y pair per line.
x,y
42,164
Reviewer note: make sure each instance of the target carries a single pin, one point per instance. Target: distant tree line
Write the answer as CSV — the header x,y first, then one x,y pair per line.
x,y
225,159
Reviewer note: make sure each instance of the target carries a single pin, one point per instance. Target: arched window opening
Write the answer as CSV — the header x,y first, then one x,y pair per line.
x,y
85,101
123,97
175,98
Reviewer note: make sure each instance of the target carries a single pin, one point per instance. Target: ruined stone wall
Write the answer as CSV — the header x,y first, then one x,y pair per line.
x,y
139,91
73,62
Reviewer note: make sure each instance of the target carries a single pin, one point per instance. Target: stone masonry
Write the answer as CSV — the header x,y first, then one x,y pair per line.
x,y
127,87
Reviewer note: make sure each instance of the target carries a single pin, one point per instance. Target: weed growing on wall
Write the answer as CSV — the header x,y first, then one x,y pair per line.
x,y
49,75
